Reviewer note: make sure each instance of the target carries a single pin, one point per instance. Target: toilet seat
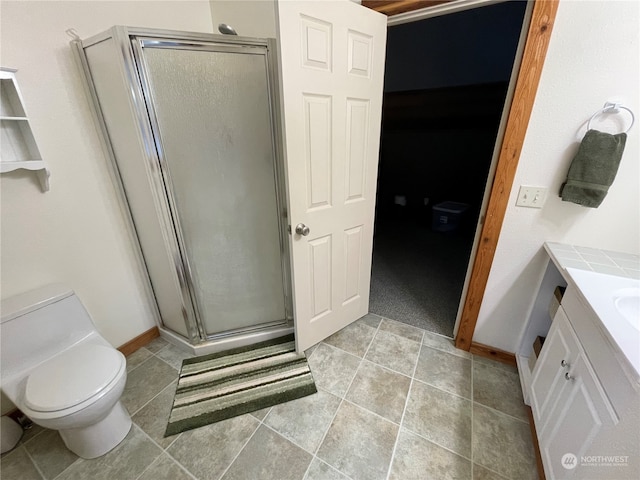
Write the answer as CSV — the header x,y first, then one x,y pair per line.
x,y
85,371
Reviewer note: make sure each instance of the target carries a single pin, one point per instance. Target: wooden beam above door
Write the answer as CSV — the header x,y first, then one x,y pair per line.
x,y
394,7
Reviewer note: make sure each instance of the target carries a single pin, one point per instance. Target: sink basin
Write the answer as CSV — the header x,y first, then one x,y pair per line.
x,y
627,302
616,302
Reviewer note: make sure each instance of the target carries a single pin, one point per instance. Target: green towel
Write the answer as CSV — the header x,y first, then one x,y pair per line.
x,y
594,168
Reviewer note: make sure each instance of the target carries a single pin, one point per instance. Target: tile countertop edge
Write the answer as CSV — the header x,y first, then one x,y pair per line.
x,y
592,259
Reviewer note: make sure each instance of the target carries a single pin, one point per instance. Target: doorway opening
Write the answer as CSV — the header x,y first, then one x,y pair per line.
x,y
446,82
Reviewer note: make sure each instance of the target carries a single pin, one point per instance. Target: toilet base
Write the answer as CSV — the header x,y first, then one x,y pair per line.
x,y
101,437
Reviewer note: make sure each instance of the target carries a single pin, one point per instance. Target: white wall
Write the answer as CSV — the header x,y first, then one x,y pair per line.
x,y
593,57
75,233
250,18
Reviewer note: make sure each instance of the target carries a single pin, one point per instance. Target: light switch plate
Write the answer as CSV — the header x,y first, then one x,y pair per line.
x,y
532,197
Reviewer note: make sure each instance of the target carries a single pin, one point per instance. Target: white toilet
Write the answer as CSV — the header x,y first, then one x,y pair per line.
x,y
61,372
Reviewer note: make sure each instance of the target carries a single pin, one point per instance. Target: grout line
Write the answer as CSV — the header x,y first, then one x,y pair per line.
x,y
345,393
404,410
36,435
384,367
437,444
359,406
161,348
436,334
182,467
167,362
500,412
241,449
402,324
315,347
455,353
341,350
142,362
35,465
152,398
287,438
346,400
367,351
443,390
149,466
162,451
492,471
74,462
266,414
401,336
493,363
342,474
324,436
433,441
306,472
172,441
371,412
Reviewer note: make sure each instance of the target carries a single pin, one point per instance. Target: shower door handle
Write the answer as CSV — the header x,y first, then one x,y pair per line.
x,y
302,229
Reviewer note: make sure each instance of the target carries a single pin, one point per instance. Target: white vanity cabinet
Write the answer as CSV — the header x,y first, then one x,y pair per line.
x,y
584,386
585,399
569,404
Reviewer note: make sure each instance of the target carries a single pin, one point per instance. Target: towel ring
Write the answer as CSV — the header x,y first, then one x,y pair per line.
x,y
613,108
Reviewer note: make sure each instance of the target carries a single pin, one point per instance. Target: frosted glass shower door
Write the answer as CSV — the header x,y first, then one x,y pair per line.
x,y
214,135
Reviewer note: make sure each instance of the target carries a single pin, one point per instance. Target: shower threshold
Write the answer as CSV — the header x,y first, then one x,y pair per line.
x,y
229,340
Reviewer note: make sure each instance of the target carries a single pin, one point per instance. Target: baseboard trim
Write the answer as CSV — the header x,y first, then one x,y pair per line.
x,y
536,446
139,342
493,353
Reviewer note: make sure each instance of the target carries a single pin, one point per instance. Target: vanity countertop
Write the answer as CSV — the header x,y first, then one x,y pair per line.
x,y
615,301
609,284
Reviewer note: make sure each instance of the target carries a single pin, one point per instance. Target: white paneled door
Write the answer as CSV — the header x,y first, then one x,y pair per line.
x,y
332,67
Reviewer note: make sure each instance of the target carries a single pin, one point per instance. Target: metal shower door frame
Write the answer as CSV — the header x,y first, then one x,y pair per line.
x,y
132,42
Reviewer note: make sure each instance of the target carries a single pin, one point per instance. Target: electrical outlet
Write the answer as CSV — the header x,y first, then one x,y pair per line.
x,y
532,197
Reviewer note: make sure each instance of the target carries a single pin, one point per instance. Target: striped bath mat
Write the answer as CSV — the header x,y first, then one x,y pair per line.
x,y
226,384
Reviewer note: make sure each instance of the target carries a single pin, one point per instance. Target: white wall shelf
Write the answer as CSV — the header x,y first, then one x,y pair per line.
x,y
19,148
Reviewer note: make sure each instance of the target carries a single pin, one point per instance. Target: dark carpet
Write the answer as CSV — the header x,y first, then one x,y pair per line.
x,y
418,274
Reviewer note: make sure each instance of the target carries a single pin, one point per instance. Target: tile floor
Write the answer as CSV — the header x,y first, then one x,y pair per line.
x,y
393,402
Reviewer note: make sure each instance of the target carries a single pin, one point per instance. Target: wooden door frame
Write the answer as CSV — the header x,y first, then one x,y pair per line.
x,y
533,56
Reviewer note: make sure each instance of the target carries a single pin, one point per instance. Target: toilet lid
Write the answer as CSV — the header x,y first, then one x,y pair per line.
x,y
72,377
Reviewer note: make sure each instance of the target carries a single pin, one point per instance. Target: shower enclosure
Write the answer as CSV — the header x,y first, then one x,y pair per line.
x,y
189,123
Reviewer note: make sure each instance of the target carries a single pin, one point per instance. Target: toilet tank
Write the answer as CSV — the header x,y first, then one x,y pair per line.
x,y
39,324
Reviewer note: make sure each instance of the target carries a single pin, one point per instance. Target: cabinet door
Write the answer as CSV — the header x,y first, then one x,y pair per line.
x,y
548,376
581,411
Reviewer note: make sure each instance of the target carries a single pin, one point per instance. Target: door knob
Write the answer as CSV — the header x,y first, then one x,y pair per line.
x,y
302,229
